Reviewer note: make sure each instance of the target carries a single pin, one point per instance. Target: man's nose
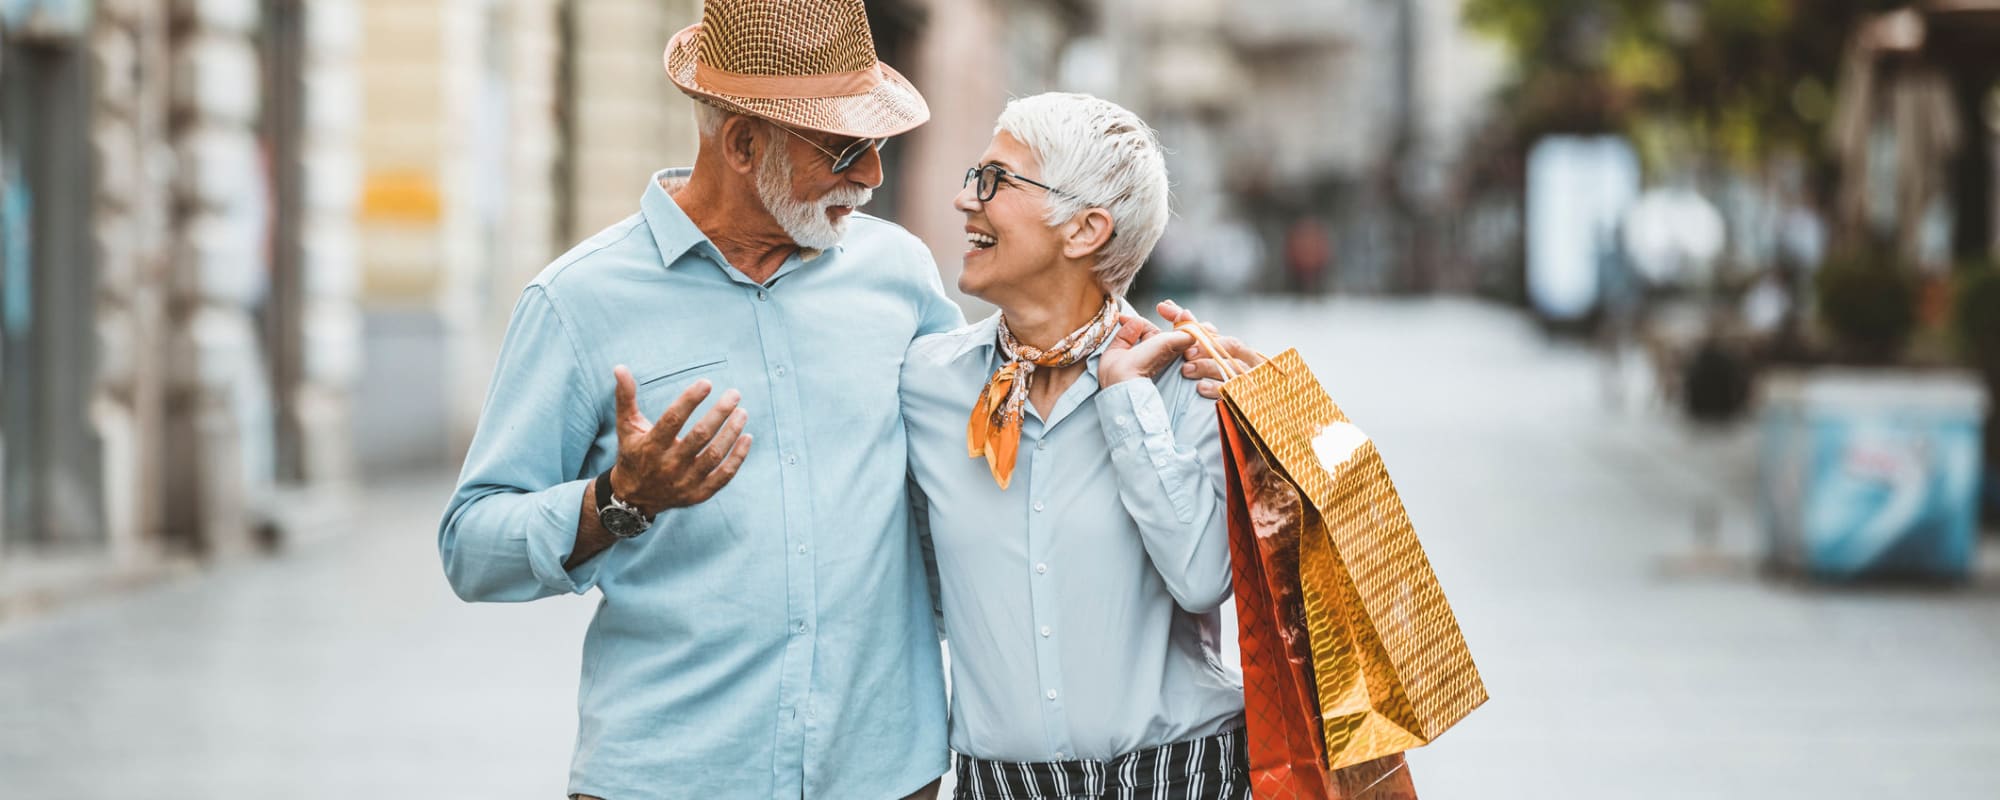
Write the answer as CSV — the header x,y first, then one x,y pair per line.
x,y
866,170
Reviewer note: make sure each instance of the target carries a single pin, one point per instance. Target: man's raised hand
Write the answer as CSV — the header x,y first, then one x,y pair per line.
x,y
658,468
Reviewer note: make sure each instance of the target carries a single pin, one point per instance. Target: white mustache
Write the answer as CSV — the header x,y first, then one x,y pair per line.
x,y
846,197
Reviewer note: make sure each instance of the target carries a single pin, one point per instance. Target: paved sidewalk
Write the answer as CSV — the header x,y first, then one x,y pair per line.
x,y
1622,661
344,669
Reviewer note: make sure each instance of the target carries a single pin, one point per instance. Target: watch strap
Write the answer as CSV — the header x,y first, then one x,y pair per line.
x,y
602,486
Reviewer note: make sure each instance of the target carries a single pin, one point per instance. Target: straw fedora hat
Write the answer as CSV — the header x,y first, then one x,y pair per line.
x,y
804,63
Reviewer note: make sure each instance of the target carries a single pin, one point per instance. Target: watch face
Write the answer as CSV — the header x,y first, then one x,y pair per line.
x,y
621,523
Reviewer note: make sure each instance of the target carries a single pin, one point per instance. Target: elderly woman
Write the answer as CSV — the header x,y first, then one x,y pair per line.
x,y
1081,549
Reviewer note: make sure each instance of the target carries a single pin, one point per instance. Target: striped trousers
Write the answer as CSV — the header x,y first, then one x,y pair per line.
x,y
1210,768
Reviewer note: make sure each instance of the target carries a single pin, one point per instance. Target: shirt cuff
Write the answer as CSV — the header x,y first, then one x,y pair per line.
x,y
1129,408
553,537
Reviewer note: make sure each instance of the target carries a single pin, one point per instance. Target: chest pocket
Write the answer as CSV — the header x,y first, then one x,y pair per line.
x,y
658,388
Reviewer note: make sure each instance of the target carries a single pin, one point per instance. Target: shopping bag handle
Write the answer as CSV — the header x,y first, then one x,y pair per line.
x,y
1202,337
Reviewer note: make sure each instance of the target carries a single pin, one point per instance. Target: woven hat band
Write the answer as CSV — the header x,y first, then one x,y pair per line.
x,y
787,87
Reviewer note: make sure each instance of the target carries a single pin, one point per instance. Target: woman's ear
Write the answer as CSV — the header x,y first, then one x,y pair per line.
x,y
738,137
1087,234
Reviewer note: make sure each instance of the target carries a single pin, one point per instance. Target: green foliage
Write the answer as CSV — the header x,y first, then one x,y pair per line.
x,y
1746,78
1869,304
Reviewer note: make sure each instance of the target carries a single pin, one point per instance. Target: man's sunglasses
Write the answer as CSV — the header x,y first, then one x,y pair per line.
x,y
847,155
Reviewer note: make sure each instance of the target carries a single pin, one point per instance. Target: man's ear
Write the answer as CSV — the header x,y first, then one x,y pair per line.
x,y
1087,234
739,138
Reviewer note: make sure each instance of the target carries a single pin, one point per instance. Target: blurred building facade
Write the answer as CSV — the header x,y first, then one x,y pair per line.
x,y
178,294
1315,139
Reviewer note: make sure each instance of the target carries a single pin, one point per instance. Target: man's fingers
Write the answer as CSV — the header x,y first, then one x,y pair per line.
x,y
1209,389
717,446
630,421
704,430
1204,369
677,413
1242,352
725,471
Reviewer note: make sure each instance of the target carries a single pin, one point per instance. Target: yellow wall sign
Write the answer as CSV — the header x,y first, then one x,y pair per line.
x,y
401,196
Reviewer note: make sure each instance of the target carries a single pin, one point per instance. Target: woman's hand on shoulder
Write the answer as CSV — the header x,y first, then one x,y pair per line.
x,y
1140,350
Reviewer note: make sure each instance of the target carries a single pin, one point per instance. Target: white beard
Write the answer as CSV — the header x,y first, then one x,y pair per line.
x,y
805,221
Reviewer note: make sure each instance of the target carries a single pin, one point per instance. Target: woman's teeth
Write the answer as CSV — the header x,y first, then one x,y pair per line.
x,y
979,241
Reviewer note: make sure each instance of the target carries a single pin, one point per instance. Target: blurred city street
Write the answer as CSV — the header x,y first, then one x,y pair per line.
x,y
1601,561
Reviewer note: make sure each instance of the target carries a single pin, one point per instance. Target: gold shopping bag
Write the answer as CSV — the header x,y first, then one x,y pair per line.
x,y
1390,665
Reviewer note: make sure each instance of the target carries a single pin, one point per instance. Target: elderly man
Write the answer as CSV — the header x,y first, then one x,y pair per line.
x,y
765,628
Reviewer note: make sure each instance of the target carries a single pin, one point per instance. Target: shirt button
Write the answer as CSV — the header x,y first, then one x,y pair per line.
x,y
1052,694
780,370
1120,419
802,549
1038,505
1159,462
1041,445
762,296
1041,568
792,460
802,627
1060,756
1046,631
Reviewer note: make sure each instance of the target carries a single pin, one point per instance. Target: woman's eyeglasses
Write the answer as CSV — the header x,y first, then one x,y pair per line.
x,y
990,176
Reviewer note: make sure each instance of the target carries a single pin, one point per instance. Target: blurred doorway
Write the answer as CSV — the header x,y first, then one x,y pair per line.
x,y
52,470
280,314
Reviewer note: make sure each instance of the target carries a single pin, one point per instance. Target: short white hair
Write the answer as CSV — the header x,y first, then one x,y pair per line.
x,y
708,119
1099,155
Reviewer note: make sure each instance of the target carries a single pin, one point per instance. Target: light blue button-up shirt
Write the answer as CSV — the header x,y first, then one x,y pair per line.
x,y
776,640
1081,603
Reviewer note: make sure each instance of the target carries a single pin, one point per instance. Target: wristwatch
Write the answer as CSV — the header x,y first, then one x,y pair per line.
x,y
622,519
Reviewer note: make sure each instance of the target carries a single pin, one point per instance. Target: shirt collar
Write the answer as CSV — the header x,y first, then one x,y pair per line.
x,y
675,234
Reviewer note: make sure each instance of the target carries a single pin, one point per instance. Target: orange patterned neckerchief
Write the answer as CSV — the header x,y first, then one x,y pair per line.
x,y
995,429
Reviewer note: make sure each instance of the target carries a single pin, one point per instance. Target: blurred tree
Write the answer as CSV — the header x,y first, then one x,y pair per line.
x,y
1743,79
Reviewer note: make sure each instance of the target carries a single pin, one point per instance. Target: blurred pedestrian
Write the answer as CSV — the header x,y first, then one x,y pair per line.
x,y
765,628
1082,552
1308,255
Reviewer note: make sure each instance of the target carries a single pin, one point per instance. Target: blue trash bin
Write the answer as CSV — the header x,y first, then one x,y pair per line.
x,y
1872,473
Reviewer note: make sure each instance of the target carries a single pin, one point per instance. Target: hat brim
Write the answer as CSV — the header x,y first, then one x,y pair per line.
x,y
892,107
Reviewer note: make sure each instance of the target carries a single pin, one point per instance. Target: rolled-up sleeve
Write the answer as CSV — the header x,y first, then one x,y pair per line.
x,y
1169,470
512,521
